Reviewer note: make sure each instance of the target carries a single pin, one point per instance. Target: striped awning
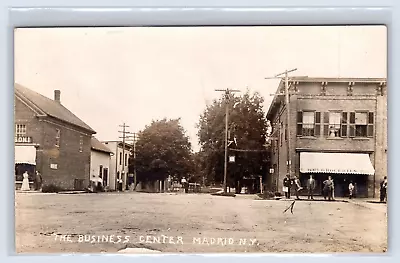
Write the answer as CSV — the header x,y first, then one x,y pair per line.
x,y
340,163
25,154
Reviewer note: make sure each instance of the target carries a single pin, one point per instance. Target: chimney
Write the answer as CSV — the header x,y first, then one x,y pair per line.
x,y
57,95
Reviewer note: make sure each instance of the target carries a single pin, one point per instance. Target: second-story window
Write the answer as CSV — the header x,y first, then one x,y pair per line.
x,y
80,143
58,136
126,159
306,123
361,124
120,158
334,124
20,130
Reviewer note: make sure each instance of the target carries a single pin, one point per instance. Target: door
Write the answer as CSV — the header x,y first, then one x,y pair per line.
x,y
105,177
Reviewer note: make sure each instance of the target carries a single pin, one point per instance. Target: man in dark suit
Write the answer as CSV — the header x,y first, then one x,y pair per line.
x,y
311,187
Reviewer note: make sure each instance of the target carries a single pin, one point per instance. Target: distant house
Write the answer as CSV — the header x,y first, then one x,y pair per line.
x,y
100,159
119,164
50,139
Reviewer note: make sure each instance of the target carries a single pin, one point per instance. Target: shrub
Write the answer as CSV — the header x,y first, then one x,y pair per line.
x,y
224,194
51,188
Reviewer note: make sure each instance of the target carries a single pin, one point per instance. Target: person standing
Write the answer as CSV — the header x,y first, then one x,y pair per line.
x,y
184,182
351,190
311,187
383,189
25,182
286,186
38,181
328,188
297,186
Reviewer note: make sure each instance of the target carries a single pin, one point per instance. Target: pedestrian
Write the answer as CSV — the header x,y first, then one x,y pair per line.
x,y
25,182
297,186
184,182
383,189
328,188
286,186
38,181
311,187
351,190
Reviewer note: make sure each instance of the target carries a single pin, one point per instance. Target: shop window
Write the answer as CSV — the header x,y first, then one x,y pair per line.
x,y
58,136
20,130
306,121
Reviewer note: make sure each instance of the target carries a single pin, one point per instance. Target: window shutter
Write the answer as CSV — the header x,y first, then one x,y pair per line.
x,y
352,126
343,128
326,124
299,123
317,123
370,127
299,117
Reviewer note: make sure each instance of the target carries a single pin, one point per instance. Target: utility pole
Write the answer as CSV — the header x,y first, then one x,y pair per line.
x,y
227,93
134,159
125,137
287,102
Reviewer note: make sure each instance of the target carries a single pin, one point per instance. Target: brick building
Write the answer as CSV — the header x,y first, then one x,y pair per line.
x,y
338,127
52,139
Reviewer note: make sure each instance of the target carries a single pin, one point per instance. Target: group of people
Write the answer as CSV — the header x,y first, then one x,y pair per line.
x,y
328,189
37,180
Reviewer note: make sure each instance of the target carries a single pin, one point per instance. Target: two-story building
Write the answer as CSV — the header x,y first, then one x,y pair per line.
x,y
100,161
337,127
52,139
119,165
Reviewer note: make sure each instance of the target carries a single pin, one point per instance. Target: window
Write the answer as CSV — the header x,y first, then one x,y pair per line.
x,y
120,158
58,136
361,124
126,159
334,124
20,130
306,123
101,171
80,143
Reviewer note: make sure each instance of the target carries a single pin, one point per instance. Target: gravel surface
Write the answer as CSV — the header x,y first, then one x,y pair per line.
x,y
193,223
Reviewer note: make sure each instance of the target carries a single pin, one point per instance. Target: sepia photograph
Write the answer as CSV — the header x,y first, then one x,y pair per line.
x,y
207,139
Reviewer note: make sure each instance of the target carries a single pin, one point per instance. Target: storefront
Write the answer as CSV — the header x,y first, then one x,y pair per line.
x,y
25,161
342,167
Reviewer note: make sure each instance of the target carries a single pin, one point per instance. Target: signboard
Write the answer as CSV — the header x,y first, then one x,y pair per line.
x,y
53,166
232,159
23,139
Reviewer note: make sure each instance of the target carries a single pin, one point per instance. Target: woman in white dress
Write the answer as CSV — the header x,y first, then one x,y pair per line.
x,y
25,182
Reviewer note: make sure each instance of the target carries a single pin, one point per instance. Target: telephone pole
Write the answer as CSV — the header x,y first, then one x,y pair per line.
x,y
125,137
287,102
135,138
227,93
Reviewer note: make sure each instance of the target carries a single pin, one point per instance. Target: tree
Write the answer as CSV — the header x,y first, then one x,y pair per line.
x,y
248,124
162,149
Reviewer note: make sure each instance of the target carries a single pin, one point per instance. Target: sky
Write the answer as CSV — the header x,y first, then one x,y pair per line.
x,y
111,76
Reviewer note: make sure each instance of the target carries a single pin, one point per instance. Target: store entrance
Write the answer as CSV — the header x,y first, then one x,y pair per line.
x,y
341,183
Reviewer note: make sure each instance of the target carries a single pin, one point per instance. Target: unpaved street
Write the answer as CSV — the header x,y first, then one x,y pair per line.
x,y
94,223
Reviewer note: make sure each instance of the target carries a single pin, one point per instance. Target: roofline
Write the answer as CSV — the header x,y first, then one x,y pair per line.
x,y
321,79
103,151
44,114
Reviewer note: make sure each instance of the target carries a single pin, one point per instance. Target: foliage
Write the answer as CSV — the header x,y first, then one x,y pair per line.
x,y
51,188
248,124
163,148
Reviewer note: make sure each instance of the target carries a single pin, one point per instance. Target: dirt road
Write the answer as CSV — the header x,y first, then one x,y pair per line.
x,y
175,223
